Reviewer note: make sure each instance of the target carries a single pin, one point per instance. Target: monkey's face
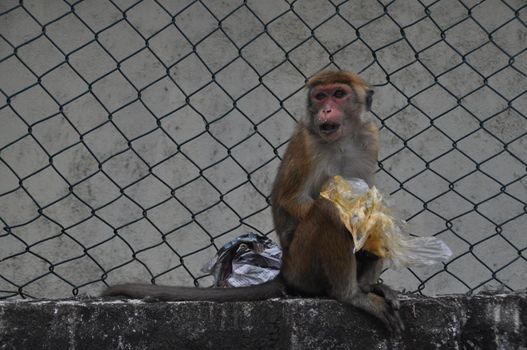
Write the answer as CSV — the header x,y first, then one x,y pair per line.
x,y
328,106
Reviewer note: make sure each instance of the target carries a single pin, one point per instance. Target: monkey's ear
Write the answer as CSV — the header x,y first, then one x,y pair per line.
x,y
369,95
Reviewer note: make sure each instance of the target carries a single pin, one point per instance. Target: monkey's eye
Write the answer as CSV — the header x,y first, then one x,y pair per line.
x,y
339,93
320,96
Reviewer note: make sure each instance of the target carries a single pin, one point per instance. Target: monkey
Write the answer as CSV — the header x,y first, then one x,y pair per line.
x,y
333,138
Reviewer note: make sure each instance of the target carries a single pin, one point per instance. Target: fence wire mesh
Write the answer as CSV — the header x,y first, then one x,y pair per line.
x,y
139,136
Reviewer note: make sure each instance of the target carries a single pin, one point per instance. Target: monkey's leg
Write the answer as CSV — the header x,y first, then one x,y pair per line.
x,y
341,270
346,288
369,270
320,259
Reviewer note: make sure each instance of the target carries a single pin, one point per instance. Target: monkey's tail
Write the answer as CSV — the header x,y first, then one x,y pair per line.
x,y
271,289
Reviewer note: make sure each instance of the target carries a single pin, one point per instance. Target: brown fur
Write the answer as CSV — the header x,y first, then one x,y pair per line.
x,y
333,77
342,77
318,251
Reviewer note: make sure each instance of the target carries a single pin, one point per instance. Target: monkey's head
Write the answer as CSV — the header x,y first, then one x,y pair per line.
x,y
336,101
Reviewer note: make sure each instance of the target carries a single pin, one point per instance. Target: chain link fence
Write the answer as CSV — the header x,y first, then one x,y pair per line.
x,y
137,137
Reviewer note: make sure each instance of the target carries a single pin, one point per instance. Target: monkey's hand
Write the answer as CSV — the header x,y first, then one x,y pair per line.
x,y
389,314
387,293
388,303
328,209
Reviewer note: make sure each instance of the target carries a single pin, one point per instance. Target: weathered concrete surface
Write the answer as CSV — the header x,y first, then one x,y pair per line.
x,y
447,322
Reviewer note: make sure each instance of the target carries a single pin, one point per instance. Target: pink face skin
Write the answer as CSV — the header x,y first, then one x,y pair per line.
x,y
329,102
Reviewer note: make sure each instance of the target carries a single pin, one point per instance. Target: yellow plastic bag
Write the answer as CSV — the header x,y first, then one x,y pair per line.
x,y
375,230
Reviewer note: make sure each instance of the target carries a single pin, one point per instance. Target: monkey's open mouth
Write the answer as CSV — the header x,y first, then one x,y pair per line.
x,y
329,128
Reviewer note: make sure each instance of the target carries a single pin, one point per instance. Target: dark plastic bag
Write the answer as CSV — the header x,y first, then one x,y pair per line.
x,y
247,260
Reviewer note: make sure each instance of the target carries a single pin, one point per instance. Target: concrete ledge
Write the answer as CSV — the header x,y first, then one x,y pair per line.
x,y
450,322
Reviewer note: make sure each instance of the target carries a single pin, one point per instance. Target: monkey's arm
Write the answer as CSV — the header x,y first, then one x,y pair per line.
x,y
290,197
290,192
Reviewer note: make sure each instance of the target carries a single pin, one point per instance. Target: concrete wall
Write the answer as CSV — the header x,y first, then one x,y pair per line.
x,y
450,322
136,139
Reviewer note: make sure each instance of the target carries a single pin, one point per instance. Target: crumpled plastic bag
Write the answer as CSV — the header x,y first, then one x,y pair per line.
x,y
375,230
247,260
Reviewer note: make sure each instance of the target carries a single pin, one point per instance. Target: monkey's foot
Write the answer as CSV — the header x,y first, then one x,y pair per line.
x,y
389,295
388,307
385,291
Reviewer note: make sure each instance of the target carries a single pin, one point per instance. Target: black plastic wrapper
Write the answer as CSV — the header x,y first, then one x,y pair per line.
x,y
247,260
